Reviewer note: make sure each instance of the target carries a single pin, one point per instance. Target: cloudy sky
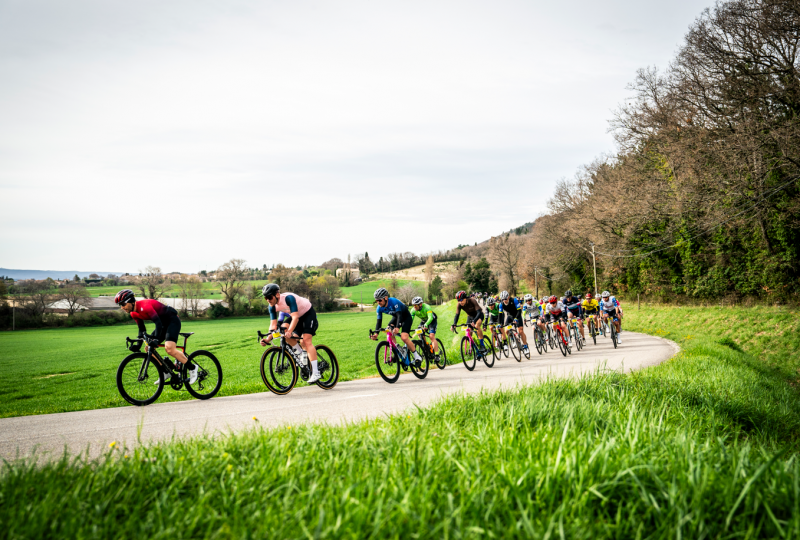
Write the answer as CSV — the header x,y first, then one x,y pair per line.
x,y
181,134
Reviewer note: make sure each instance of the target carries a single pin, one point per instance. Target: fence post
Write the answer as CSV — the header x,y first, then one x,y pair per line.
x,y
362,301
638,301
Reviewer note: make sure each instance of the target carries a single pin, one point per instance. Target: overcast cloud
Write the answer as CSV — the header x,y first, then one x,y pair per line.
x,y
181,134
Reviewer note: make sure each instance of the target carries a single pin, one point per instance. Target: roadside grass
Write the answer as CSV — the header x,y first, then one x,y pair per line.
x,y
71,369
702,446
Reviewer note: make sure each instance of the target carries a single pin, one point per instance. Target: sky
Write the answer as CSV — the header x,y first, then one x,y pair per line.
x,y
182,134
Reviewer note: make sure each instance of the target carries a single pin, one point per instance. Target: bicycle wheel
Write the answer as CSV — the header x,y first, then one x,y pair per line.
x,y
613,334
209,375
264,368
328,367
135,376
421,371
525,350
576,336
551,337
281,372
467,353
592,331
537,339
498,345
515,346
387,363
561,344
491,355
442,361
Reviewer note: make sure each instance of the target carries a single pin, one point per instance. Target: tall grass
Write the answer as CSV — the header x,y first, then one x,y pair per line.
x,y
702,446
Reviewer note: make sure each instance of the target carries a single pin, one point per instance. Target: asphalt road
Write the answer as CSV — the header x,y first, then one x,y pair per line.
x,y
49,435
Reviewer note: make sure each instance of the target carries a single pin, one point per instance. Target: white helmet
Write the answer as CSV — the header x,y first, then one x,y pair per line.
x,y
504,295
606,294
416,300
528,297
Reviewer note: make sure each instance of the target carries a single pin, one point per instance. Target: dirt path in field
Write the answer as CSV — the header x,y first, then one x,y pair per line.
x,y
48,435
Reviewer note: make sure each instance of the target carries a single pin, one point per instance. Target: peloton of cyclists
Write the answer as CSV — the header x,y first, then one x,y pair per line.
x,y
429,320
303,323
399,324
168,325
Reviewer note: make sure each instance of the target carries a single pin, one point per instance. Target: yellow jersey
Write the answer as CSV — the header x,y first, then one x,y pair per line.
x,y
590,305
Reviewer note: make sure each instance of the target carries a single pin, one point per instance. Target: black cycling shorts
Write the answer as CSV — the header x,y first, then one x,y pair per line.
x,y
307,323
432,327
510,319
402,320
554,318
170,326
474,320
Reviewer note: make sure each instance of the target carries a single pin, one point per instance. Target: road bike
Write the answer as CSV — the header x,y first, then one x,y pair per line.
x,y
470,352
420,340
138,371
612,328
389,357
561,337
280,363
575,332
539,339
497,340
592,325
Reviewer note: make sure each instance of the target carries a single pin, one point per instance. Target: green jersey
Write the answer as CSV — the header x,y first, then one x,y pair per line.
x,y
493,310
425,313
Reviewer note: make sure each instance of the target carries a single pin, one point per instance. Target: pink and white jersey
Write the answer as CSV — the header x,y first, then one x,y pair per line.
x,y
291,302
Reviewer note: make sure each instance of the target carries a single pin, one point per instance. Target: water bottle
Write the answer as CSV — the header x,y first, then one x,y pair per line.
x,y
304,358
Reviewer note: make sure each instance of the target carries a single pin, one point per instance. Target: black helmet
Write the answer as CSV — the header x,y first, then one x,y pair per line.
x,y
381,293
269,290
568,293
124,296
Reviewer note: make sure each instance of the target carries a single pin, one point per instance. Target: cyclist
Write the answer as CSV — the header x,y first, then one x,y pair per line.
x,y
574,311
530,308
303,323
591,308
400,323
513,310
555,313
168,325
429,318
493,312
474,316
611,309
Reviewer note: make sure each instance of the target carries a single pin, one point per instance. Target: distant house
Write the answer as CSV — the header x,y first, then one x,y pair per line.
x,y
354,273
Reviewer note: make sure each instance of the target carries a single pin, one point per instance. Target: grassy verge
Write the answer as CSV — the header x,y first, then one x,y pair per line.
x,y
704,445
70,369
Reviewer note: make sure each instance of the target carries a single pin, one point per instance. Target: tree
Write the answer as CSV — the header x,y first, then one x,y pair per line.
x,y
75,297
323,291
38,297
435,289
231,281
408,291
3,291
280,274
505,252
429,269
333,264
190,288
480,276
76,279
152,283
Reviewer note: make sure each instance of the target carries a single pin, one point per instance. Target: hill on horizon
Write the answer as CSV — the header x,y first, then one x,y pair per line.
x,y
54,274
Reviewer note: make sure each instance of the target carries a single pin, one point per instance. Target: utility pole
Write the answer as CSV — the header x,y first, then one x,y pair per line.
x,y
536,280
594,264
362,301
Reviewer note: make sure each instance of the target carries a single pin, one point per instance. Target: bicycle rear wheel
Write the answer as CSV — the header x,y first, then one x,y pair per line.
x,y
514,346
561,344
328,367
209,375
592,330
613,334
442,361
498,346
387,363
491,355
467,353
421,371
537,339
135,376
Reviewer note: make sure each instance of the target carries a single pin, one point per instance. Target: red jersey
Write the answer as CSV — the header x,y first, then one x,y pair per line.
x,y
148,310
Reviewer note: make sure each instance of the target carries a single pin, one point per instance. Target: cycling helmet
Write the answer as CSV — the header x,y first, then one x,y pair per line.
x,y
504,295
416,300
597,296
270,289
491,301
461,295
568,293
381,293
588,296
606,294
553,299
528,297
124,296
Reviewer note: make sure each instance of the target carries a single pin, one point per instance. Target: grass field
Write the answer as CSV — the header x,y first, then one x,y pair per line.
x,y
69,369
702,446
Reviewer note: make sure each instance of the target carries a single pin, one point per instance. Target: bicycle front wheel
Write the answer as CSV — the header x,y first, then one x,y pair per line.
x,y
613,334
491,355
387,363
515,346
328,367
537,339
420,371
281,371
442,361
135,377
467,353
561,344
592,330
209,375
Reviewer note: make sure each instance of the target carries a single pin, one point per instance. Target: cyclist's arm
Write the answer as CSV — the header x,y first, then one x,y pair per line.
x,y
458,312
430,315
292,303
153,316
379,311
142,328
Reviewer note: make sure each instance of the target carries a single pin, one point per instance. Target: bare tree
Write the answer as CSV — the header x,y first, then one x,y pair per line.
x,y
429,269
231,281
75,296
152,283
505,252
38,296
408,291
190,288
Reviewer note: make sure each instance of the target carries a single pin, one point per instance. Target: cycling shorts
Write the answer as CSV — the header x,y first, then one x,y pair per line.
x,y
588,313
170,326
554,318
402,320
478,317
510,319
432,327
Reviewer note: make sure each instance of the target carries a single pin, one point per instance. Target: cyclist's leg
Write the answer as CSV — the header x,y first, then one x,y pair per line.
x,y
404,321
307,328
170,338
477,322
432,335
521,331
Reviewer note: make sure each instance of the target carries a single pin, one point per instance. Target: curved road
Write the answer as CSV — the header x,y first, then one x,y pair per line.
x,y
48,435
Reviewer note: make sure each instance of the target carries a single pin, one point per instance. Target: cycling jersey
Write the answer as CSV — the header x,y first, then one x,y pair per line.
x,y
532,309
290,303
512,309
590,306
425,313
399,312
471,306
150,310
555,309
572,303
611,305
493,311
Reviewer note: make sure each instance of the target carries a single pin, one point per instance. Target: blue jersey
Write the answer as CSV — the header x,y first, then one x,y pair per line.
x,y
393,307
513,308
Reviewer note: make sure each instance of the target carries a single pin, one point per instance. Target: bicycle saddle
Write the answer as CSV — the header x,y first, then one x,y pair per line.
x,y
186,334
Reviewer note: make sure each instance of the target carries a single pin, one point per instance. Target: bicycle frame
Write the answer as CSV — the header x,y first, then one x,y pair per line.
x,y
390,335
468,331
